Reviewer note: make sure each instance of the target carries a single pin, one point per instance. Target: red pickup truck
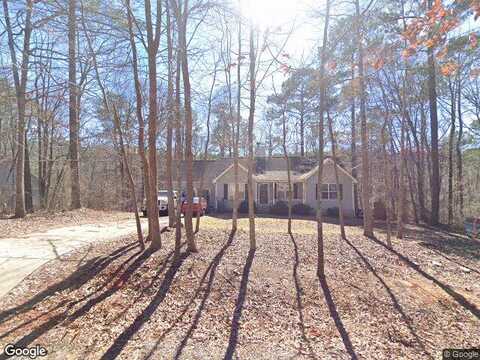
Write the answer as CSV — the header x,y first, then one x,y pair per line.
x,y
199,206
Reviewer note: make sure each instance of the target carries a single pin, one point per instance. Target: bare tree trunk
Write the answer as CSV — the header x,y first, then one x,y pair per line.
x,y
138,110
432,96
459,149
20,89
302,124
289,171
41,160
72,109
337,181
421,168
366,184
130,178
353,143
411,185
323,93
153,38
402,188
403,167
451,141
237,131
178,154
388,188
28,179
251,115
191,246
171,118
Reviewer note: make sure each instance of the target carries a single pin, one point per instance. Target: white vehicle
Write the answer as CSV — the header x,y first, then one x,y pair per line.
x,y
162,199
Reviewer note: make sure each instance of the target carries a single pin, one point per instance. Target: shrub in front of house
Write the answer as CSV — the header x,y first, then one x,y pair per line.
x,y
333,212
302,209
279,208
243,207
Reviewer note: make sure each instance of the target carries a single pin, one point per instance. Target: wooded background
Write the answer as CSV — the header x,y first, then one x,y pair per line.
x,y
94,91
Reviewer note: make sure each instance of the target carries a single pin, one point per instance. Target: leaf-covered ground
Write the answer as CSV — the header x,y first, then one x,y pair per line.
x,y
229,302
43,220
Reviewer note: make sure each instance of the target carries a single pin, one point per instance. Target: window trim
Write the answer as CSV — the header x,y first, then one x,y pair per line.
x,y
329,192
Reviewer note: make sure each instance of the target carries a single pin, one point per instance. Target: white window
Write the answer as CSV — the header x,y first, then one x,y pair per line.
x,y
329,191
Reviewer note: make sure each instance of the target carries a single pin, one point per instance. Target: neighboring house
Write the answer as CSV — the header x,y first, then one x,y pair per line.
x,y
271,182
7,187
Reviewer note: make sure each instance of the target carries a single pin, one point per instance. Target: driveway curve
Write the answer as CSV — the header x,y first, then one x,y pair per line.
x,y
20,256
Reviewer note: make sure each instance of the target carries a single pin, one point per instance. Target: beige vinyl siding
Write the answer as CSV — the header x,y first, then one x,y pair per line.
x,y
329,178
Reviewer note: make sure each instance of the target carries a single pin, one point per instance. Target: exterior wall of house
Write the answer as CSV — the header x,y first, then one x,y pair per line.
x,y
217,197
329,178
229,179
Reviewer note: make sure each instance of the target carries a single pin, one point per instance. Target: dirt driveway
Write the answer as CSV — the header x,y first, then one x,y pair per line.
x,y
20,256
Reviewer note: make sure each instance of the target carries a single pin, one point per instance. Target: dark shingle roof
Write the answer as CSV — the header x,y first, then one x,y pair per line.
x,y
266,168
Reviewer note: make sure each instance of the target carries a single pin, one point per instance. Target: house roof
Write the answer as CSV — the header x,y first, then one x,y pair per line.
x,y
266,168
327,160
209,169
242,167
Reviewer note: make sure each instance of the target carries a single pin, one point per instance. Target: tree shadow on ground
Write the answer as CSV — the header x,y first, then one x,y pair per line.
x,y
212,270
212,265
396,304
337,320
433,248
237,313
298,295
69,304
63,316
459,298
440,239
120,342
74,281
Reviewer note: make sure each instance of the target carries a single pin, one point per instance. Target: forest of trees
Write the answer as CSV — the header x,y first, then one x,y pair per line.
x,y
98,97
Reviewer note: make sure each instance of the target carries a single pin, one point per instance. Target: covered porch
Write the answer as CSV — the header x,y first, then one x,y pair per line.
x,y
269,192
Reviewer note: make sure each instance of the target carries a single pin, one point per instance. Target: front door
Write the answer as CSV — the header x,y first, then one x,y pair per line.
x,y
263,194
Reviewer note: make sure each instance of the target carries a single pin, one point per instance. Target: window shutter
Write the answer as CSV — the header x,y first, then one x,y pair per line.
x,y
225,191
300,191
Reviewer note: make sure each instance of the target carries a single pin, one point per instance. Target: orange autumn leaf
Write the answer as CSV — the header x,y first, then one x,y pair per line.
x,y
442,53
378,64
429,43
449,68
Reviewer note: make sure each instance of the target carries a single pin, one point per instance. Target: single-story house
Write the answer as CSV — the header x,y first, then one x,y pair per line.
x,y
271,182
